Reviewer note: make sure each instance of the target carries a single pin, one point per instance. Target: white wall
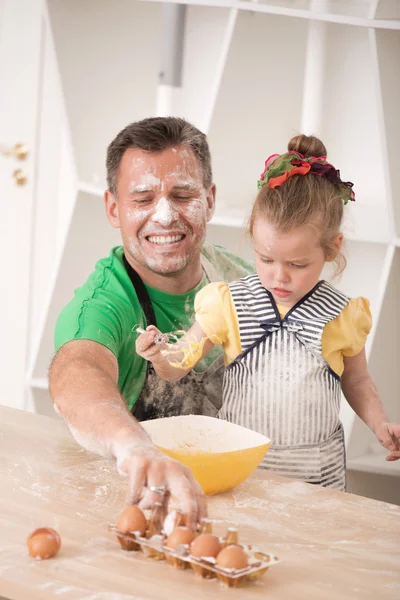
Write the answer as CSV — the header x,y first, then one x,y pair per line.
x,y
109,57
247,124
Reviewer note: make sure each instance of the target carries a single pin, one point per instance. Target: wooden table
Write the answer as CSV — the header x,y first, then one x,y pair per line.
x,y
332,545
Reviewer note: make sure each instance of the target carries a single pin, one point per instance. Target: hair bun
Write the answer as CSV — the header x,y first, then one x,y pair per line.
x,y
307,145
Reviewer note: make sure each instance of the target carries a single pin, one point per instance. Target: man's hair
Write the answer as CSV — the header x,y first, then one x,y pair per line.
x,y
155,135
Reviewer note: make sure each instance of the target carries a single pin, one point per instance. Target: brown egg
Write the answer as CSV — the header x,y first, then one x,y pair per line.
x,y
179,537
232,557
131,519
205,545
43,543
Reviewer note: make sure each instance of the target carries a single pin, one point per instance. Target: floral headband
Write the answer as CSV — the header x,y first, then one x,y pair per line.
x,y
279,167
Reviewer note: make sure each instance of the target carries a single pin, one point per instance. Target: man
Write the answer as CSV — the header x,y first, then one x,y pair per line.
x,y
161,196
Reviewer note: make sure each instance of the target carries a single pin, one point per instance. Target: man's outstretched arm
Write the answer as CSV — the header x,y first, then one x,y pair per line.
x,y
84,387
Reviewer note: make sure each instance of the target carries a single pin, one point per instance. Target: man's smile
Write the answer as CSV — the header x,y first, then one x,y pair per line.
x,y
165,239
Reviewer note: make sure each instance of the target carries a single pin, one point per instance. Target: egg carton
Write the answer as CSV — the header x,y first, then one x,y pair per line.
x,y
206,567
152,545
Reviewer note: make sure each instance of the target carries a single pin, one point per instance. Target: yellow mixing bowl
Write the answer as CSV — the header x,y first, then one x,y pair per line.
x,y
220,454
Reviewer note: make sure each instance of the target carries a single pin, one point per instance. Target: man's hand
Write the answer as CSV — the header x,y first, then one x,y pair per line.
x,y
84,386
388,435
147,467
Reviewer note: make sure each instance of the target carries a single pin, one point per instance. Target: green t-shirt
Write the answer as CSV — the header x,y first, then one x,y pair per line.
x,y
106,308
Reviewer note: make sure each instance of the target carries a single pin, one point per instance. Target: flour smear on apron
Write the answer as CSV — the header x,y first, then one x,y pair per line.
x,y
200,391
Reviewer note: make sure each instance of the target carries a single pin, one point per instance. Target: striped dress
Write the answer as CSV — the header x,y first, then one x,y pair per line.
x,y
281,386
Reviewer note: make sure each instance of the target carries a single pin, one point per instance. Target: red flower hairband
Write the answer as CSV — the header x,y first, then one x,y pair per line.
x,y
279,167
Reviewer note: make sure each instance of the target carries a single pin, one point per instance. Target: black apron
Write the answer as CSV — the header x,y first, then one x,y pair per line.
x,y
195,394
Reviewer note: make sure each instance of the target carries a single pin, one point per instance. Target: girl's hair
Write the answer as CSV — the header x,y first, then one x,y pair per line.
x,y
304,200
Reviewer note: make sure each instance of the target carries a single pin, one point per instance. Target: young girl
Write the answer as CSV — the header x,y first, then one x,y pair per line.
x,y
292,343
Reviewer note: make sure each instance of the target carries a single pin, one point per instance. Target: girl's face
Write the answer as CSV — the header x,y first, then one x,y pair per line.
x,y
288,264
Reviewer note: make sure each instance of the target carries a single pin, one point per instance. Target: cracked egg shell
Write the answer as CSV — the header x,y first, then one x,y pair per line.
x,y
232,557
132,519
179,537
205,545
43,543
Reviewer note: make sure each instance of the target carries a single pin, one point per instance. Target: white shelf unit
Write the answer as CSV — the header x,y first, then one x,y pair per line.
x,y
374,463
245,84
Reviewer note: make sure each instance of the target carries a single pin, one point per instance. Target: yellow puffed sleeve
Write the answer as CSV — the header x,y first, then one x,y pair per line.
x,y
347,333
216,315
360,323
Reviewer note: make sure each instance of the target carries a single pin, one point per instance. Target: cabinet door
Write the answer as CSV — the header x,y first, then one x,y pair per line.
x,y
20,70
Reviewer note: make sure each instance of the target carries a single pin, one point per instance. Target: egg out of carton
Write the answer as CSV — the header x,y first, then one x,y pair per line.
x,y
179,537
232,557
132,519
206,545
43,543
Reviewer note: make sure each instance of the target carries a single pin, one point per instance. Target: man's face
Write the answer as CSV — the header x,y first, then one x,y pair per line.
x,y
162,209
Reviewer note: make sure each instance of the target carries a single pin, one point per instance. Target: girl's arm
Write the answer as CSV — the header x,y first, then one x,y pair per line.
x,y
362,395
195,345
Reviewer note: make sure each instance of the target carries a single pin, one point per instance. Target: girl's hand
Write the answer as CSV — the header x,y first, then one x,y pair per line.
x,y
388,435
146,348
